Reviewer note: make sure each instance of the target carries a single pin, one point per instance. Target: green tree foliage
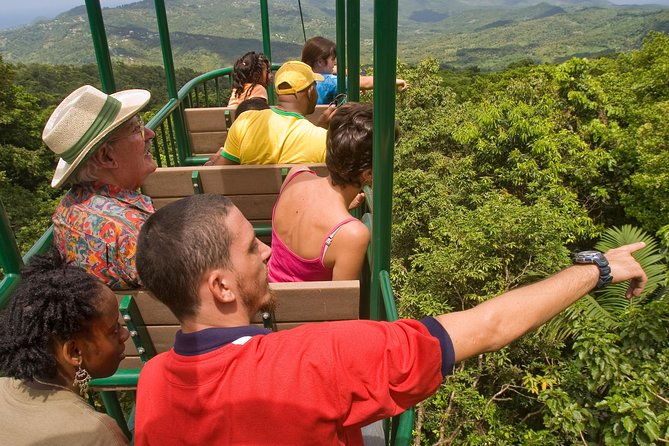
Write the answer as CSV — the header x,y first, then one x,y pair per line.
x,y
51,83
25,164
497,180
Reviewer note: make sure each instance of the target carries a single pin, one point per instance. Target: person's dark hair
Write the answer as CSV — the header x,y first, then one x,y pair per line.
x,y
251,104
318,49
349,143
178,244
54,302
249,70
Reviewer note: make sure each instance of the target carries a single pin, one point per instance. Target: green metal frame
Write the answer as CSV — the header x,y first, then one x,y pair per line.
x,y
385,56
353,48
137,328
340,25
101,46
10,258
401,430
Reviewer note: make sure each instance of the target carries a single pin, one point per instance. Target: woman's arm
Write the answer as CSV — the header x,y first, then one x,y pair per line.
x,y
367,83
348,249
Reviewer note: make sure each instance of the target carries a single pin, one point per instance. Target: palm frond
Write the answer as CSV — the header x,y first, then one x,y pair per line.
x,y
561,328
607,305
650,259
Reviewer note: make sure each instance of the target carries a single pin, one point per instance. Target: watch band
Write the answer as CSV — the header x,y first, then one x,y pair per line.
x,y
596,258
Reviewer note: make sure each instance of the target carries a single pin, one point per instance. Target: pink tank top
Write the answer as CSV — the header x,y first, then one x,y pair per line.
x,y
286,266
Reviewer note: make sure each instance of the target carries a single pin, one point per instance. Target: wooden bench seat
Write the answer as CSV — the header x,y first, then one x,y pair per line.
x,y
208,127
253,189
297,303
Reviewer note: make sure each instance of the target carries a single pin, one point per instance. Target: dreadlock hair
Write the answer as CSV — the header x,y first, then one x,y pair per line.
x,y
249,70
54,302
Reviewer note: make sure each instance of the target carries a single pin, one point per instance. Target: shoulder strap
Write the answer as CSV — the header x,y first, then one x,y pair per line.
x,y
328,239
290,177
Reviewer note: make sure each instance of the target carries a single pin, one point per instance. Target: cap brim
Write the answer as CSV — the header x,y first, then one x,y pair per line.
x,y
132,101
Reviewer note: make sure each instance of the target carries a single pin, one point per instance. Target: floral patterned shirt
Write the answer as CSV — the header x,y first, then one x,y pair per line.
x,y
96,227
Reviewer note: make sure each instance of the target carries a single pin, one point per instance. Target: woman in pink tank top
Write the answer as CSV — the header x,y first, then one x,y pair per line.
x,y
313,235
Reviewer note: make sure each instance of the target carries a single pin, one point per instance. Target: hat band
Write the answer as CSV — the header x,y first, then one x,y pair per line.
x,y
106,116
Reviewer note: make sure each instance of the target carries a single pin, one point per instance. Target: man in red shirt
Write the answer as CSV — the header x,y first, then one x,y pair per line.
x,y
227,382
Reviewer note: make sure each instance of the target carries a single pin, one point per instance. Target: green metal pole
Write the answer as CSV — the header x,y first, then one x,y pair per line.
x,y
385,55
114,410
353,49
183,146
101,46
341,45
266,43
10,258
264,16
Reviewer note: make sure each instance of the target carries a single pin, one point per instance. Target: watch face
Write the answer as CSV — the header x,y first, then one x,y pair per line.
x,y
591,257
588,253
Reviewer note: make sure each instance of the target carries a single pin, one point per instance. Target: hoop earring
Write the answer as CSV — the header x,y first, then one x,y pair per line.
x,y
81,380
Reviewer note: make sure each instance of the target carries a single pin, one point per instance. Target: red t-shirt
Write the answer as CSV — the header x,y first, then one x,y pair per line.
x,y
316,384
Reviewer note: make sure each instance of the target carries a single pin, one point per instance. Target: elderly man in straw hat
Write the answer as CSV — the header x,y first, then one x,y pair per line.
x,y
104,155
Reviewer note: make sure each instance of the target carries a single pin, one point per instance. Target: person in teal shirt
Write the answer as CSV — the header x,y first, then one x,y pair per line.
x,y
321,55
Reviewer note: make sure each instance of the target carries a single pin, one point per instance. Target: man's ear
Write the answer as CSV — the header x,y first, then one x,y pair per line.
x,y
218,283
104,156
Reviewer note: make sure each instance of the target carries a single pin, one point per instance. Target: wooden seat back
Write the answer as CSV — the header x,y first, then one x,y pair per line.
x,y
154,325
208,127
253,189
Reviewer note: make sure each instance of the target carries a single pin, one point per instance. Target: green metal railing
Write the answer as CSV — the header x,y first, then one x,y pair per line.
x,y
10,258
401,431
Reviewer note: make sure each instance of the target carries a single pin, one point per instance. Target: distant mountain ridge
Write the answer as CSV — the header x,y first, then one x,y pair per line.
x,y
207,34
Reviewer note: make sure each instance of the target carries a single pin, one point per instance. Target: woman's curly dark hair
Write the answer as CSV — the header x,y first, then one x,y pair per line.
x,y
54,301
349,143
249,70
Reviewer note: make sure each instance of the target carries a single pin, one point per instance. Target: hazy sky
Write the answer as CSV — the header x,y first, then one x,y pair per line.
x,y
14,13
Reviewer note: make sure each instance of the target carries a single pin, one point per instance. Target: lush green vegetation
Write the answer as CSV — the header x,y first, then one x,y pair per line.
x,y
499,177
495,186
208,35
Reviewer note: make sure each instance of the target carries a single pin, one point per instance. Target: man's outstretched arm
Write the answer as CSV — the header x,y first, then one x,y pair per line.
x,y
499,321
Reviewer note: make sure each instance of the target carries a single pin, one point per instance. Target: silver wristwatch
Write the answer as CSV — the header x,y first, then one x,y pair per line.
x,y
596,258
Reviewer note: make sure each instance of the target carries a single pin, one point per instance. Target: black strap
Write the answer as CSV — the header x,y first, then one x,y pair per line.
x,y
304,33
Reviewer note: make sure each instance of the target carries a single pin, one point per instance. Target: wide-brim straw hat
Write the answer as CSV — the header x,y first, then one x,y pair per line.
x,y
83,122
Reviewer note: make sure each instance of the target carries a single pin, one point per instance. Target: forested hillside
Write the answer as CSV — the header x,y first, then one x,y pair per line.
x,y
207,35
499,177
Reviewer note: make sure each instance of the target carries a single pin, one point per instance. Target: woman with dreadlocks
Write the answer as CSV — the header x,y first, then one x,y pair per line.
x,y
59,329
250,77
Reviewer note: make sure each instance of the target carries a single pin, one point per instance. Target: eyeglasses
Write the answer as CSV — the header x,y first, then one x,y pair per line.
x,y
139,129
339,100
